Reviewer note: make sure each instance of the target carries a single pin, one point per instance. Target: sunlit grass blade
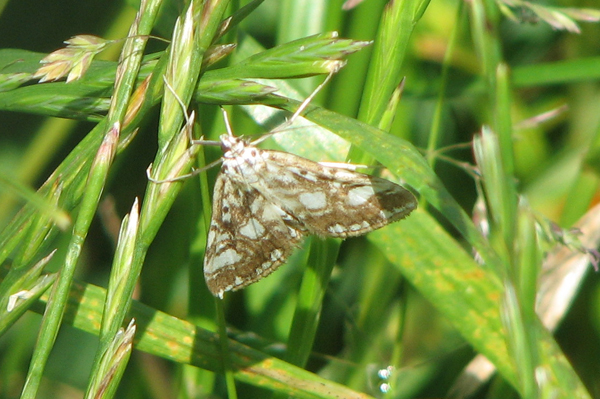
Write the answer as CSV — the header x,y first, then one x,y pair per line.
x,y
182,342
397,22
467,294
60,291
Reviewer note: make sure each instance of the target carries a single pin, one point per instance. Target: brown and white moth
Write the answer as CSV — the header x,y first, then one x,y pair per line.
x,y
265,201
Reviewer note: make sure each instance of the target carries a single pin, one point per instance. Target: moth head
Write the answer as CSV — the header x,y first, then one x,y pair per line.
x,y
232,146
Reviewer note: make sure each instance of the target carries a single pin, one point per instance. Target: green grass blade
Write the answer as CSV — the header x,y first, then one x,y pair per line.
x,y
47,209
398,20
559,72
180,341
55,310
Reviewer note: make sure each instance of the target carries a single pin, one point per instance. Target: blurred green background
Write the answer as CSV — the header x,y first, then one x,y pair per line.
x,y
556,166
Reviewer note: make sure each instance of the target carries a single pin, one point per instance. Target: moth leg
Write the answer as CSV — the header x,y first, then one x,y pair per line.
x,y
173,176
184,176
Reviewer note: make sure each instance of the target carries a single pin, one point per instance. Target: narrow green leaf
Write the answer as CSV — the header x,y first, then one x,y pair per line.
x,y
182,342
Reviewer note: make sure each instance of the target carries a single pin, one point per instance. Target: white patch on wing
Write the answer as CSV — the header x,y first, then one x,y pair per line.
x,y
336,229
226,258
312,201
359,195
253,229
285,178
276,254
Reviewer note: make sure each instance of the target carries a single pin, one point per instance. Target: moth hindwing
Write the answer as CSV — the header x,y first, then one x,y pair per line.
x,y
265,201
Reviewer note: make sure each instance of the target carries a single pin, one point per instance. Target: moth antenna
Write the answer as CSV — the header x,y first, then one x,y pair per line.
x,y
227,123
298,111
312,95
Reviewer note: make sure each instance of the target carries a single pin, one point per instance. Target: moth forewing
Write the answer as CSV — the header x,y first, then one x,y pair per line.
x,y
248,238
332,201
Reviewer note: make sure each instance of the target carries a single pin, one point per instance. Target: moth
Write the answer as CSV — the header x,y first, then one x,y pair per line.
x,y
266,201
